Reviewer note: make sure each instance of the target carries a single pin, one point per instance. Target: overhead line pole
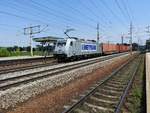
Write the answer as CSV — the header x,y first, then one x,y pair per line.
x,y
148,30
98,32
131,28
31,48
122,39
30,31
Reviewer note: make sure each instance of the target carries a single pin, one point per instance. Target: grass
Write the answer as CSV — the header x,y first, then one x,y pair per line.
x,y
5,53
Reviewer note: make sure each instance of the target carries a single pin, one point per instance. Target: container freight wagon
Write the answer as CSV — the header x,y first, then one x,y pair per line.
x,y
127,48
123,48
108,48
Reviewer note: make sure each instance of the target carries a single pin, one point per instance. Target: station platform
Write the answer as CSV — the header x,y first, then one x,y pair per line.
x,y
148,82
22,57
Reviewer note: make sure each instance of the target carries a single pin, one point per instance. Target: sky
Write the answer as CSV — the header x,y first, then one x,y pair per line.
x,y
114,18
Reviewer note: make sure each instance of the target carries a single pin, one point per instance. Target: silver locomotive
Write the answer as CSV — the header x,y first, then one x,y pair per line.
x,y
71,48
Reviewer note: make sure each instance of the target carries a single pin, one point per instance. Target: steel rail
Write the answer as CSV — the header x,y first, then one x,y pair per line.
x,y
70,109
83,98
33,76
127,89
5,71
21,68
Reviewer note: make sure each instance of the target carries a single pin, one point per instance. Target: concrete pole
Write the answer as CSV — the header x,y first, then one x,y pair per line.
x,y
131,38
30,35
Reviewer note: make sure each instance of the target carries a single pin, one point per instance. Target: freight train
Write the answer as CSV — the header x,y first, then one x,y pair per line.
x,y
74,48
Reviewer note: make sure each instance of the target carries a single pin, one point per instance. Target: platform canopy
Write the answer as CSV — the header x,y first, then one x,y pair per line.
x,y
48,39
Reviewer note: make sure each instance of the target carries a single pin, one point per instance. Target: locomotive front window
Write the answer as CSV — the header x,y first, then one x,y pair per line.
x,y
61,43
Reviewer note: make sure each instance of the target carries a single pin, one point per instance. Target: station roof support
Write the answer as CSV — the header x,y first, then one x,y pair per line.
x,y
48,39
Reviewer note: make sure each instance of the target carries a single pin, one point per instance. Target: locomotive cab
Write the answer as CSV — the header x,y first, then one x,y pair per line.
x,y
60,48
64,48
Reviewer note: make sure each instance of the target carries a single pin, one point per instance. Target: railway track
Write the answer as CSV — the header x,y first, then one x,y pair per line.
x,y
29,65
135,101
106,96
4,71
26,78
20,65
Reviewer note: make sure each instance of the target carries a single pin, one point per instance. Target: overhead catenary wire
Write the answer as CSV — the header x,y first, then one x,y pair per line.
x,y
113,13
21,17
122,11
129,9
68,20
14,26
103,18
43,6
56,22
38,8
126,9
78,12
56,15
85,15
25,18
18,8
93,13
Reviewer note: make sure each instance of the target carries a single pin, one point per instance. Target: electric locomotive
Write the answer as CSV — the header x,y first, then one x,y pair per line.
x,y
73,47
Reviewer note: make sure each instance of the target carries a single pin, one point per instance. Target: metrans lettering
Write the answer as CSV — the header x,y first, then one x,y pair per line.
x,y
88,47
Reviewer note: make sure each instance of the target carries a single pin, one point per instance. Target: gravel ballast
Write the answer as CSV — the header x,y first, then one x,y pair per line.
x,y
13,96
39,69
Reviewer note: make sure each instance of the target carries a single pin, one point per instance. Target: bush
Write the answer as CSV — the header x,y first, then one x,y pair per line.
x,y
16,53
4,52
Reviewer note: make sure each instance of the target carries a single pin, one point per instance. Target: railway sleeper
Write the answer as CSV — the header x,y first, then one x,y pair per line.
x,y
93,108
110,92
90,108
115,85
66,106
113,88
101,102
106,96
84,109
80,111
118,83
120,80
